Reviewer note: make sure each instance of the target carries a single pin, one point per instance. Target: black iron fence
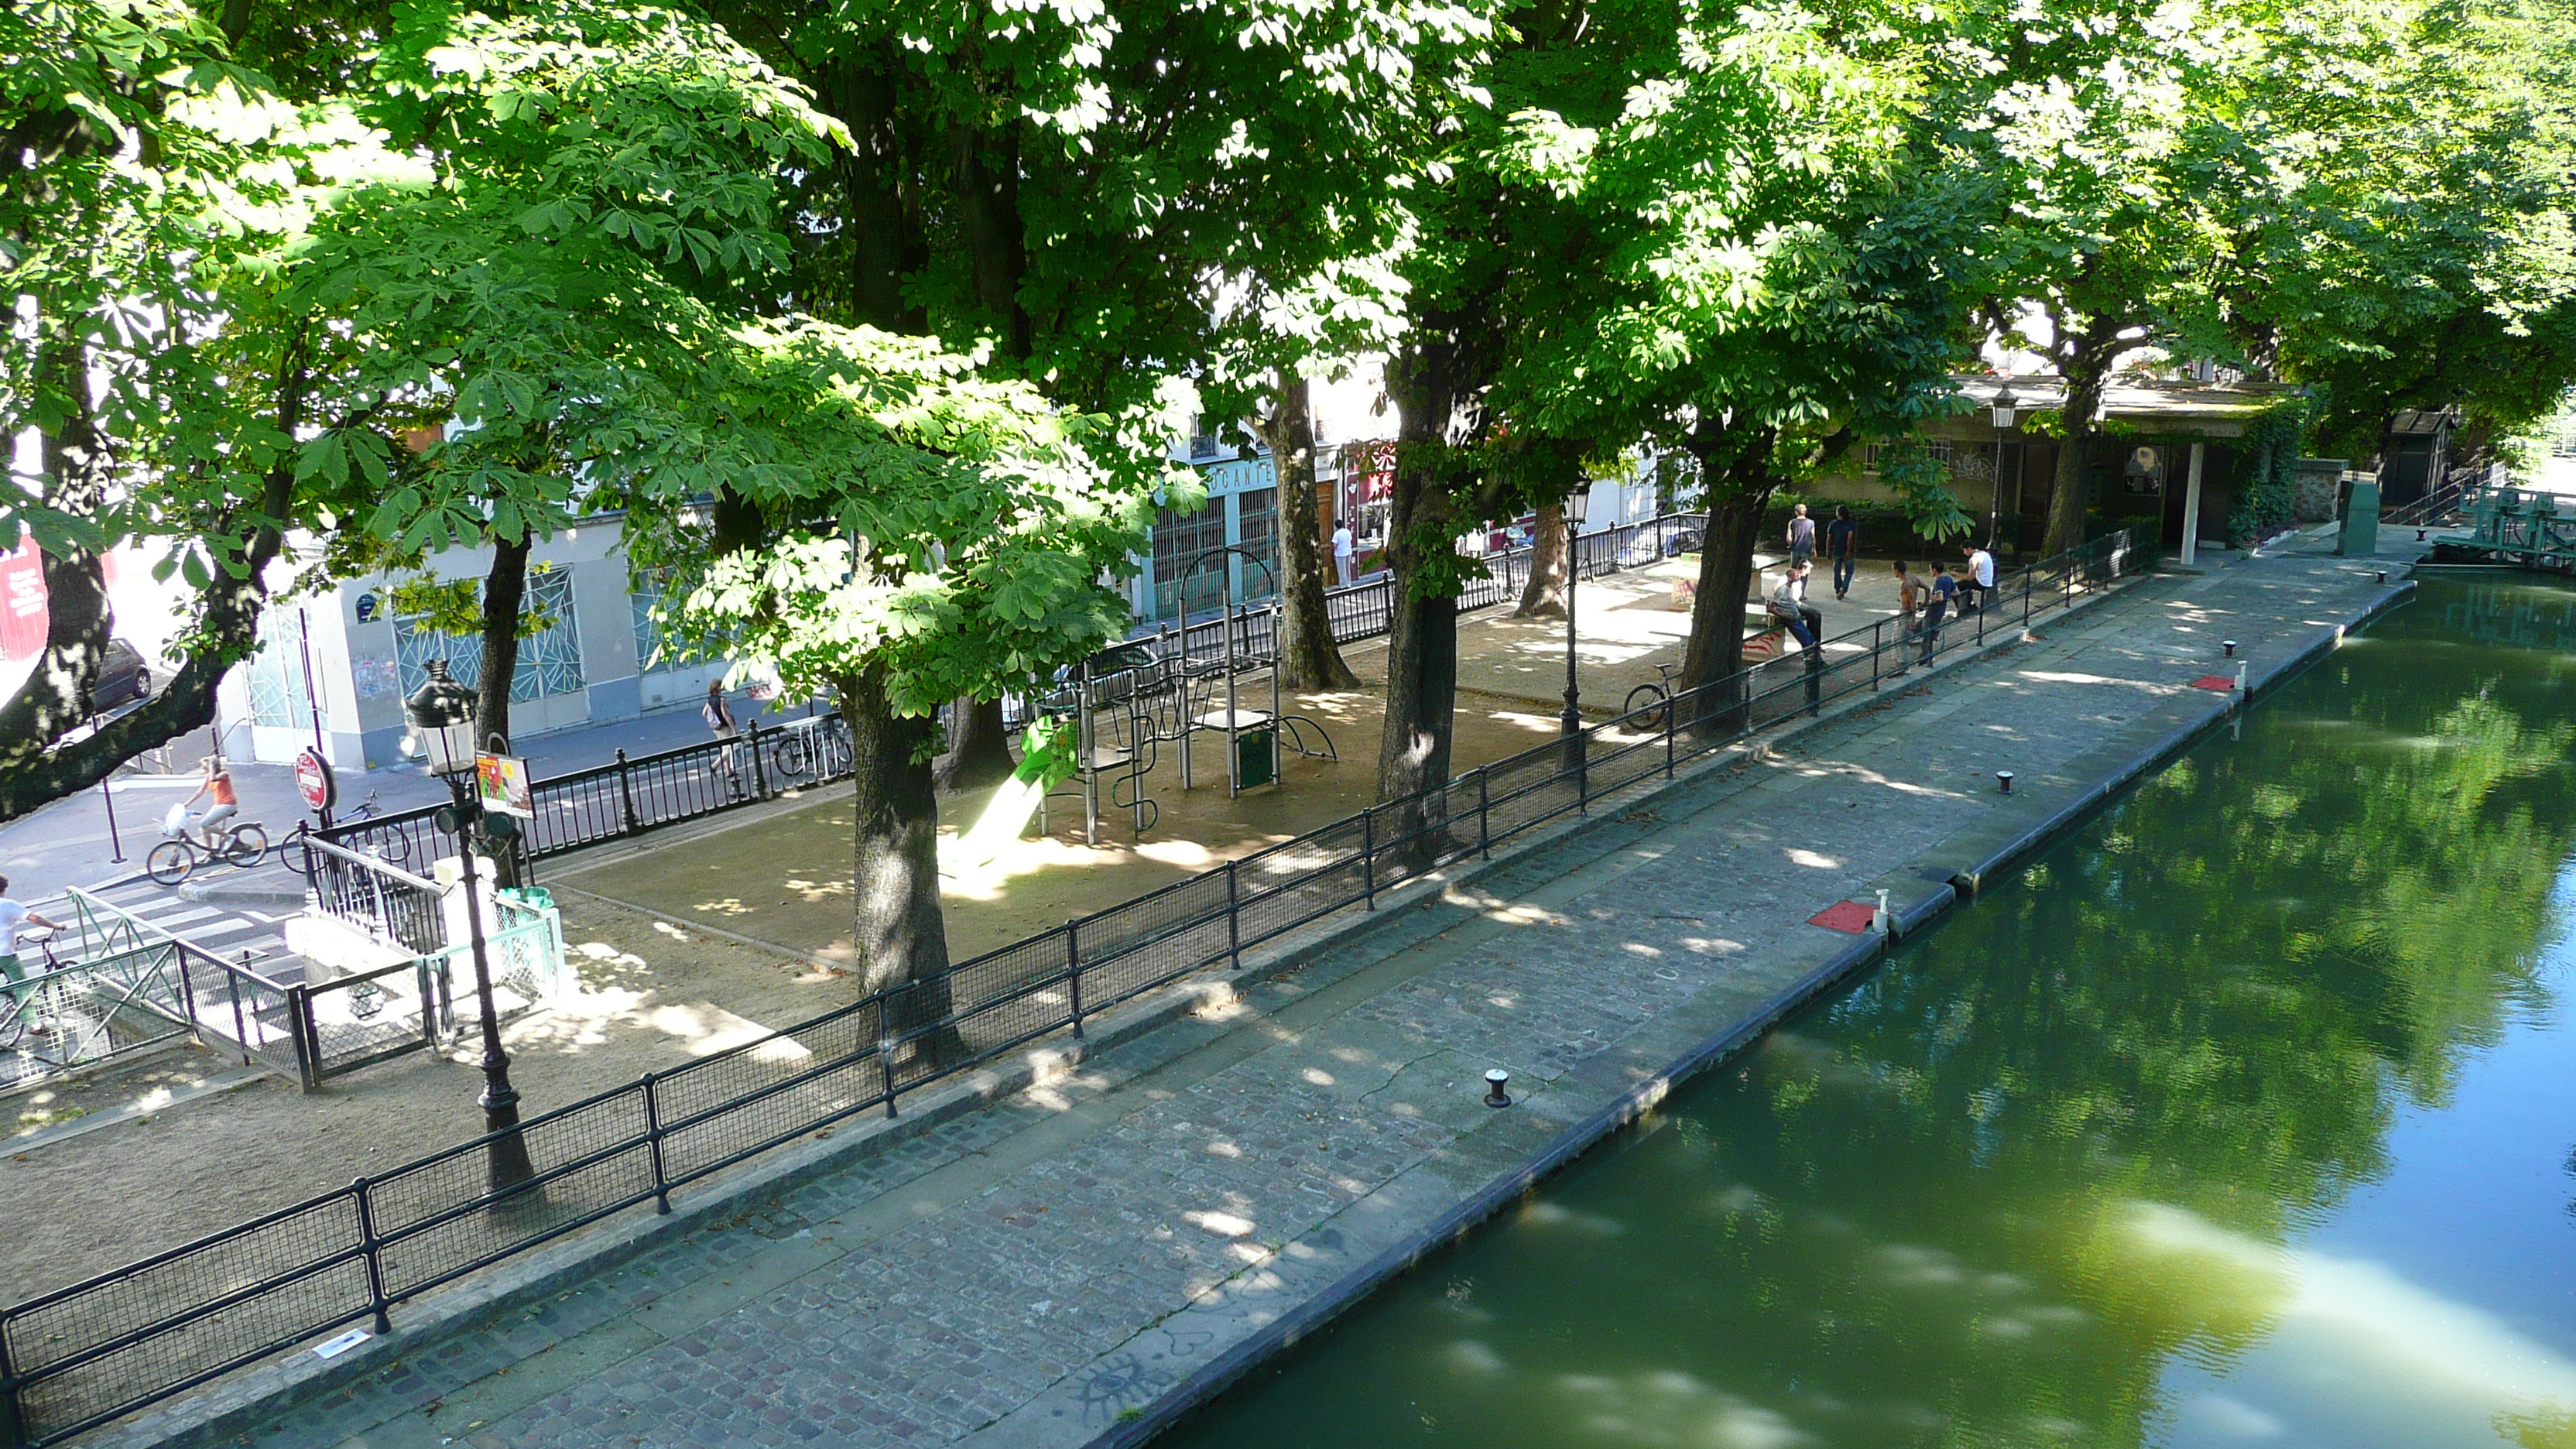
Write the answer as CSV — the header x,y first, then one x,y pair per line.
x,y
83,1355
629,797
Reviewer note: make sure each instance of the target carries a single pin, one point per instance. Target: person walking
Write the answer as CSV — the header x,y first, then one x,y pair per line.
x,y
1842,545
218,783
1944,589
720,723
14,918
1344,557
1802,536
1980,580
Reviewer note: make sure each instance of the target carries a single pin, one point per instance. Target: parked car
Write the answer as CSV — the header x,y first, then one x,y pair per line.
x,y
122,679
1668,538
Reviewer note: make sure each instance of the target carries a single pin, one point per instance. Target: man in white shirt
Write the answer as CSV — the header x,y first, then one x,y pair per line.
x,y
1343,559
1980,580
13,918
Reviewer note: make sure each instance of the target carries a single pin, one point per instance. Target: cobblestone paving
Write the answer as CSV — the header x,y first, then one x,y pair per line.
x,y
1029,1273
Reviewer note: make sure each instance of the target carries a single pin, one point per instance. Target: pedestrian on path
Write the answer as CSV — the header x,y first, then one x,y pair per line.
x,y
218,783
720,722
1944,589
13,918
1802,536
1842,545
1343,556
1980,580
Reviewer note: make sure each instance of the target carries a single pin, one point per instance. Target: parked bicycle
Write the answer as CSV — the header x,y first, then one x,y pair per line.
x,y
393,848
1654,697
243,843
818,747
25,1027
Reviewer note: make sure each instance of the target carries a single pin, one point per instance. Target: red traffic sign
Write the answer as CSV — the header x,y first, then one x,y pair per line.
x,y
313,777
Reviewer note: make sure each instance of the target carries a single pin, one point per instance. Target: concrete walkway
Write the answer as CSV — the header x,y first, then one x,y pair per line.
x,y
1079,1262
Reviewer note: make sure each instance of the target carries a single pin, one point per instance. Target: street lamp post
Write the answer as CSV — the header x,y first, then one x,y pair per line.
x,y
1577,503
442,717
2004,411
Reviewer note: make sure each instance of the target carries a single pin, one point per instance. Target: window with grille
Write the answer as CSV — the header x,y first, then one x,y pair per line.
x,y
1257,514
277,693
549,658
657,650
1179,538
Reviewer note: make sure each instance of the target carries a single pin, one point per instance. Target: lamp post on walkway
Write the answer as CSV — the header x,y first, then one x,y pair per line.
x,y
442,715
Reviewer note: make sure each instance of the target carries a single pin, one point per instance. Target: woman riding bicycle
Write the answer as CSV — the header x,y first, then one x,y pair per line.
x,y
219,783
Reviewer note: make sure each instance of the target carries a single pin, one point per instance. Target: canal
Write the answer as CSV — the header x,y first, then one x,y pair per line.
x,y
2243,1117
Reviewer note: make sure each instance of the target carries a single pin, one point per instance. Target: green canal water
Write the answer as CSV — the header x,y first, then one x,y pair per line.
x,y
2243,1118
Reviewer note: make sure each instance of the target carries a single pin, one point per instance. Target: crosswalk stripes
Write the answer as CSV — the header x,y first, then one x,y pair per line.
x,y
220,929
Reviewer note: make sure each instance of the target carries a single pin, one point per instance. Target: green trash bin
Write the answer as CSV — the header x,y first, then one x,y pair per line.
x,y
1256,757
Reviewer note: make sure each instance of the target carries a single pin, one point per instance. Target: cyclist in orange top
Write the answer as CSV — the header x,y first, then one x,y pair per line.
x,y
218,783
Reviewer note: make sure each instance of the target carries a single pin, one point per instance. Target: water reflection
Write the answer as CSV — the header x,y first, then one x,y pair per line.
x,y
2238,1120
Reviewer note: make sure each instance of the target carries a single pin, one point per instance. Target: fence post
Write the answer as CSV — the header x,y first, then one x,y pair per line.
x,y
1484,811
374,1252
1877,642
308,1036
885,1060
1073,973
1368,856
13,1424
653,1137
1233,917
626,795
759,776
241,1033
2025,598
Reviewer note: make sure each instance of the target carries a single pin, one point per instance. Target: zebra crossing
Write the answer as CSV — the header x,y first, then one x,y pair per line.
x,y
218,928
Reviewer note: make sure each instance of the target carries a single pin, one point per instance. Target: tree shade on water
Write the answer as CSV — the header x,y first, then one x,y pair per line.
x,y
2238,1119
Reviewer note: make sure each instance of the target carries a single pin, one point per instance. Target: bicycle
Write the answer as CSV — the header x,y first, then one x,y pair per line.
x,y
1653,697
15,1029
171,862
393,849
813,745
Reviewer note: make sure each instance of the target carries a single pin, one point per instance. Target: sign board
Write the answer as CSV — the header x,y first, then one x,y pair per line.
x,y
314,780
367,606
501,783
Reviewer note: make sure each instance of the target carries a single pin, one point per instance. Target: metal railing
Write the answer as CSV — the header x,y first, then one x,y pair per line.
x,y
629,797
80,1356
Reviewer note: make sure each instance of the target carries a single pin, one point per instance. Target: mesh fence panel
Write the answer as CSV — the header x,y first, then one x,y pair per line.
x,y
709,1083
321,1298
1289,884
361,1018
829,1087
1526,790
421,1249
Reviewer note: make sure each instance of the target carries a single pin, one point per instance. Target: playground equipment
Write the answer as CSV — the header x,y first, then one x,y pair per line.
x,y
1184,683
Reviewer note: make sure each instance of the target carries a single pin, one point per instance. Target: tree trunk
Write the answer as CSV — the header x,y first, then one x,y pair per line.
x,y
884,217
979,752
898,928
1737,491
1309,656
78,622
505,591
988,177
1422,642
1544,595
2087,371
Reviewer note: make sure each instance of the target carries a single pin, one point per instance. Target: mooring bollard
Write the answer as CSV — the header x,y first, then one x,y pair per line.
x,y
2229,645
1885,922
2003,782
1495,1096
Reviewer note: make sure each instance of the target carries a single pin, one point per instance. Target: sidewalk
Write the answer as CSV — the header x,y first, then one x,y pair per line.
x,y
1076,1263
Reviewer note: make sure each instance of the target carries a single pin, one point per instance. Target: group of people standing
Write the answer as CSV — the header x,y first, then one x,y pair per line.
x,y
1923,604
